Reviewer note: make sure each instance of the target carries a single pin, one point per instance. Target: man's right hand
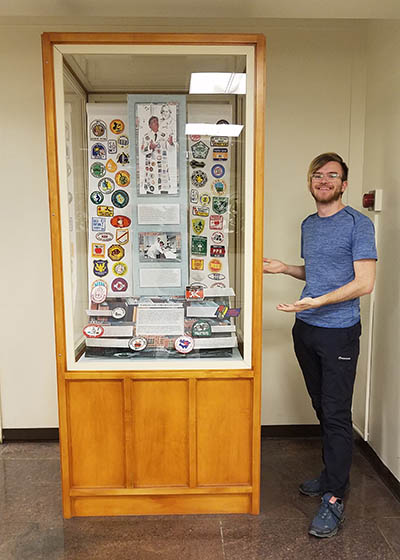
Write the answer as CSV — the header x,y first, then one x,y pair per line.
x,y
273,266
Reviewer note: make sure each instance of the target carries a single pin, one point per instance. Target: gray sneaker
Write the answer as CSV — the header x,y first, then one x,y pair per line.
x,y
311,487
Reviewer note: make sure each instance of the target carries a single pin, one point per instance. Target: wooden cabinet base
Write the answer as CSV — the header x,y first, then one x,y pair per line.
x,y
160,505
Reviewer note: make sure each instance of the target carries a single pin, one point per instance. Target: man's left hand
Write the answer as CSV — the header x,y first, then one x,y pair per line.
x,y
300,305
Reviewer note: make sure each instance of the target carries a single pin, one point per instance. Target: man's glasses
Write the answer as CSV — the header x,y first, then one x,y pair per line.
x,y
318,176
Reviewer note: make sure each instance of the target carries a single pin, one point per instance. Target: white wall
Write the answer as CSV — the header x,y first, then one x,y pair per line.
x,y
315,97
382,171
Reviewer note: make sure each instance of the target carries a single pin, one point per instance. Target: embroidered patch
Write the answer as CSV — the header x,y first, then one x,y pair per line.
x,y
112,146
111,166
218,170
120,199
107,211
100,268
98,224
200,150
123,158
98,292
198,178
98,151
117,126
92,330
119,285
219,186
215,265
198,225
217,251
98,130
199,245
216,276
98,249
216,222
106,185
200,210
217,237
116,252
120,221
219,141
201,329
97,170
137,343
194,196
123,141
184,344
120,269
197,264
220,154
122,236
106,236
122,178
118,313
220,204
96,197
194,293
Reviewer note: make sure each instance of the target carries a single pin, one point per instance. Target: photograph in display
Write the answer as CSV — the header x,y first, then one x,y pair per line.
x,y
159,246
156,148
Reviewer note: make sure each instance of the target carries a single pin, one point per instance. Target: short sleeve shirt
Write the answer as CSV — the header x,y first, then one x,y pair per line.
x,y
329,246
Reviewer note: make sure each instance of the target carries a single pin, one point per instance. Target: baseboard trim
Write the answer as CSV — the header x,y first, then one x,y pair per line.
x,y
291,431
379,467
29,434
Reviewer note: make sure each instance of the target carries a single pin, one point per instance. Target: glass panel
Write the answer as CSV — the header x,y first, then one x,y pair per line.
x,y
159,217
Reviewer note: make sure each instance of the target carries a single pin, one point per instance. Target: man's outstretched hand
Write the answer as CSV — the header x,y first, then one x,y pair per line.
x,y
300,305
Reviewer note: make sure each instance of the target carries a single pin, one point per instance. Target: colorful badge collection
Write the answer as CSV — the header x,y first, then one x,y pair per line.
x,y
109,255
209,174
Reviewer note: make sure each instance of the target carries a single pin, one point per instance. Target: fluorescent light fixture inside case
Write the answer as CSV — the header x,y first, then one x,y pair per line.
x,y
217,82
206,129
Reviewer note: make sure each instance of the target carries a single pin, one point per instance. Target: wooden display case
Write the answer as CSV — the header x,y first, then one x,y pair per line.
x,y
155,434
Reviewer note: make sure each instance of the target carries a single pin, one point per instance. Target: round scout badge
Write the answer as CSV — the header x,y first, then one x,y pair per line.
x,y
201,329
122,178
137,343
123,141
117,126
120,269
92,330
120,199
96,197
198,178
98,130
217,237
184,344
218,171
118,313
99,151
119,285
106,185
97,170
205,199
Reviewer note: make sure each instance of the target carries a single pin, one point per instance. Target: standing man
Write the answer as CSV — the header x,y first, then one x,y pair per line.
x,y
338,248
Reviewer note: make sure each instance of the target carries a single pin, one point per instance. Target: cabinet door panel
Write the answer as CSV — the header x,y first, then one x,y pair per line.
x,y
224,428
160,433
97,435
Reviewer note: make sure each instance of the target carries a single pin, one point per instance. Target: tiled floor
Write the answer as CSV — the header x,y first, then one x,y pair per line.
x,y
32,528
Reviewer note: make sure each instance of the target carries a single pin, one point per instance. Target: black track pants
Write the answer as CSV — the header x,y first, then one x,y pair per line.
x,y
328,360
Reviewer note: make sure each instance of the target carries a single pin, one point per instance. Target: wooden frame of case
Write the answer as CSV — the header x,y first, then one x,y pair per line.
x,y
110,442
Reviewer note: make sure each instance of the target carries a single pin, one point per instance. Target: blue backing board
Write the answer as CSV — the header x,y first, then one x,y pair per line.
x,y
181,198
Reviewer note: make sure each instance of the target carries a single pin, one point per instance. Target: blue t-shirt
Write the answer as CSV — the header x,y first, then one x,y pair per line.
x,y
329,246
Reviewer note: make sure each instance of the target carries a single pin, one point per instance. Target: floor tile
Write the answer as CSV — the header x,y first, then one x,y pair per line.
x,y
390,528
267,539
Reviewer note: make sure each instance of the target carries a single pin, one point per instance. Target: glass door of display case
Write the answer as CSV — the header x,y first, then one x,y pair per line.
x,y
156,197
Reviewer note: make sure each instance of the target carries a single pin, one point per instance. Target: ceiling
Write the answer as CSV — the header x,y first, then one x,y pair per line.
x,y
355,9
